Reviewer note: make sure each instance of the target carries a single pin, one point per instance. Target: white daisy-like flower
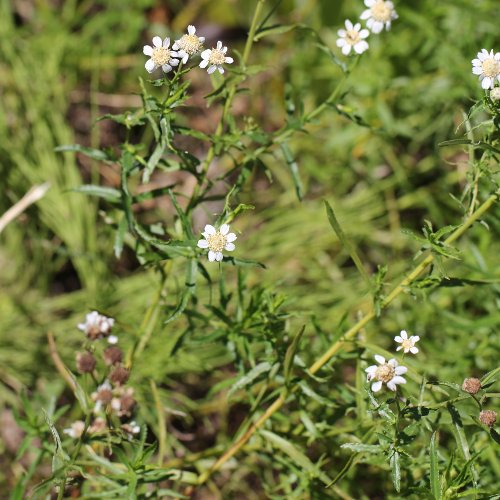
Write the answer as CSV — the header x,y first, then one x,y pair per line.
x,y
216,241
353,37
160,55
76,429
487,67
386,373
379,15
215,58
189,44
97,326
407,343
495,94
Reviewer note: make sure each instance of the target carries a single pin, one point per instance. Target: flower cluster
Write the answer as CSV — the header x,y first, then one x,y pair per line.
x,y
390,372
378,15
487,67
161,55
112,399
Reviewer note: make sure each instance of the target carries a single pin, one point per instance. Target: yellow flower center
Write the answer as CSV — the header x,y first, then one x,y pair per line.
x,y
385,373
407,344
491,67
381,12
217,57
190,44
216,242
161,56
352,37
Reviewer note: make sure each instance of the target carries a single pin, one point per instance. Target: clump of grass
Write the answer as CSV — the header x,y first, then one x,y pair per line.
x,y
256,364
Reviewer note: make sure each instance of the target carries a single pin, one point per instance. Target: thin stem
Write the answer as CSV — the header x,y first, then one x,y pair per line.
x,y
338,345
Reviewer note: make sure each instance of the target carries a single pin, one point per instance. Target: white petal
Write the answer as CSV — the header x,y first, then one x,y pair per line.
x,y
357,27
219,45
221,69
341,42
398,380
210,229
206,54
360,47
404,334
229,60
201,39
185,57
150,65
379,359
229,247
202,244
346,49
366,14
414,338
211,69
348,24
174,62
376,386
82,326
477,70
211,256
371,370
392,362
231,237
341,33
397,338
219,256
204,63
377,27
175,46
224,229
157,41
147,50
191,29
166,42
482,55
399,348
370,3
400,370
112,339
166,68
414,350
487,83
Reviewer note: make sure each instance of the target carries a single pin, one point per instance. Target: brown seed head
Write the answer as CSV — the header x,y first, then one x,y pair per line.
x,y
119,376
471,385
85,362
488,417
113,355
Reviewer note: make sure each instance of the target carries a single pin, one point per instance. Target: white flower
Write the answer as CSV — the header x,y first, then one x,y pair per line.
x,y
160,55
487,67
76,429
97,326
131,429
495,94
380,14
189,44
408,344
352,37
388,373
215,58
216,241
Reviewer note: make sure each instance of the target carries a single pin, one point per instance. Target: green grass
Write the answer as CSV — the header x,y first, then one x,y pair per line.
x,y
374,156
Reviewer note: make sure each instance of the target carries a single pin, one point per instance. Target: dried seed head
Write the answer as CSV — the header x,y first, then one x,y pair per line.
x,y
471,385
127,403
119,376
488,417
85,362
113,355
104,395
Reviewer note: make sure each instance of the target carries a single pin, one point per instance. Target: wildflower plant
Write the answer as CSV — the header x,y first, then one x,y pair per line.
x,y
208,298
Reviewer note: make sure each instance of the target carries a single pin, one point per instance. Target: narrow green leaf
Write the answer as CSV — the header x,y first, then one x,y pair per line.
x,y
434,468
345,242
363,448
249,377
95,154
290,354
109,194
120,235
294,169
395,463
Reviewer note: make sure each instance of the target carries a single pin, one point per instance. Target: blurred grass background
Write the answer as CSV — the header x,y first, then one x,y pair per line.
x,y
62,64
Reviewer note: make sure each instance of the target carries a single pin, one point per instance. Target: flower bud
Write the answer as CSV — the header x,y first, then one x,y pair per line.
x,y
471,385
119,376
85,362
488,417
113,355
